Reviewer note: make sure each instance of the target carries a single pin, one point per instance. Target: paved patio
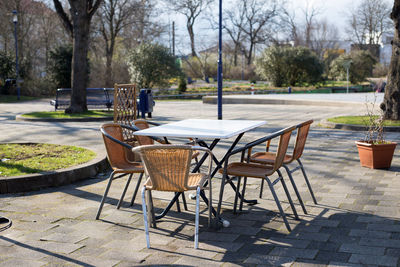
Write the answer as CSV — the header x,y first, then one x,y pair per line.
x,y
356,221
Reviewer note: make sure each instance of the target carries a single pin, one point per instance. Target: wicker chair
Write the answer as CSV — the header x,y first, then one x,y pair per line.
x,y
268,158
168,169
118,159
261,171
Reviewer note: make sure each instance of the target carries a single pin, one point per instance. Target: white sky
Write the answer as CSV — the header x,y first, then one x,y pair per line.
x,y
334,11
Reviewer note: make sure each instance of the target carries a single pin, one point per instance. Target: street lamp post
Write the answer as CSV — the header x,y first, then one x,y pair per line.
x,y
15,20
220,63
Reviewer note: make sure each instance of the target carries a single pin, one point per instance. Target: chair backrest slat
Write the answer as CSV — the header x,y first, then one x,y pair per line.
x,y
168,166
282,147
143,140
115,152
301,138
125,107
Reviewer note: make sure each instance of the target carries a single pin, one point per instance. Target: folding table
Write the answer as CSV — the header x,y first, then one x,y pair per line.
x,y
201,130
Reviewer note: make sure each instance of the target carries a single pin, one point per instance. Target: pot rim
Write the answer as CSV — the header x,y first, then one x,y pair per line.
x,y
364,143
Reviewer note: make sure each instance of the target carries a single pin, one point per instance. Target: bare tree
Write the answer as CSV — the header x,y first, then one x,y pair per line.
x,y
324,36
391,101
310,14
113,17
191,9
77,23
234,24
369,21
260,20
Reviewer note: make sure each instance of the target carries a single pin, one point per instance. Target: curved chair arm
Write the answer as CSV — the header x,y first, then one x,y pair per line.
x,y
255,143
115,140
210,161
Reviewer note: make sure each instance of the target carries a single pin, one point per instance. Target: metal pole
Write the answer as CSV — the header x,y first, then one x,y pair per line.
x,y
220,63
347,80
16,55
242,65
173,38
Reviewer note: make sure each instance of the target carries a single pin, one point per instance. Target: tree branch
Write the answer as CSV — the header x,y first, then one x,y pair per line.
x,y
63,16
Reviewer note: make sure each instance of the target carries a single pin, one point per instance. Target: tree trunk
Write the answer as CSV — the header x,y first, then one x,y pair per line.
x,y
79,63
191,35
391,101
109,79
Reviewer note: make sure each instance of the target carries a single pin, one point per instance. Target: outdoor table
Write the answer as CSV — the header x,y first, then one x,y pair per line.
x,y
200,130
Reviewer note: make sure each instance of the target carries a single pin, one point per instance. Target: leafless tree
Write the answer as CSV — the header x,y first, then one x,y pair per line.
x,y
233,24
324,36
77,23
113,17
261,17
191,9
369,21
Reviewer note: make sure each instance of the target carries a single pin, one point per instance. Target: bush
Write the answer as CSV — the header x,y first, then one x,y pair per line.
x,y
362,63
289,66
182,86
151,65
7,64
60,65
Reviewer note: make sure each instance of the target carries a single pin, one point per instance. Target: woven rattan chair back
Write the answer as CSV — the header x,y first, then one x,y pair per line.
x,y
282,148
143,140
116,154
125,108
168,166
302,133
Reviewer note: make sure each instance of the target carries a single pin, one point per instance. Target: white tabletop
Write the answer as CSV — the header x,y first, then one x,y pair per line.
x,y
200,128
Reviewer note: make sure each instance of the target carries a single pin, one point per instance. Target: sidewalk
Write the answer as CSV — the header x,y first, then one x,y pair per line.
x,y
337,100
355,223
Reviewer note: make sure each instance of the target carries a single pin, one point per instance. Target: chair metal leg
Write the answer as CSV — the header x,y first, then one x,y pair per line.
x,y
243,193
261,188
288,195
178,206
271,187
136,189
196,228
184,201
295,188
221,194
236,194
124,192
105,195
307,181
146,226
151,215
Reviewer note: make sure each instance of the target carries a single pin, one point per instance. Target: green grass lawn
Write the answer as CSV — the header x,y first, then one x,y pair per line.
x,y
61,115
360,120
22,159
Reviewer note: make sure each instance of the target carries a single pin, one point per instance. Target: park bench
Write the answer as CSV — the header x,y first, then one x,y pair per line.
x,y
95,97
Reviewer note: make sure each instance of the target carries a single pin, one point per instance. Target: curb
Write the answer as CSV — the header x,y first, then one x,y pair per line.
x,y
277,101
353,127
37,181
21,118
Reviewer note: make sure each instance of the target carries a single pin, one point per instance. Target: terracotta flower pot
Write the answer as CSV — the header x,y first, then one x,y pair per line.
x,y
376,156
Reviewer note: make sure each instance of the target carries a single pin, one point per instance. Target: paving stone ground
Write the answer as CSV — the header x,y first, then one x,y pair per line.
x,y
355,223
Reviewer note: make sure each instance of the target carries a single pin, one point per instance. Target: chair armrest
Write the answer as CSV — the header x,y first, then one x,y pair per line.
x,y
115,140
254,143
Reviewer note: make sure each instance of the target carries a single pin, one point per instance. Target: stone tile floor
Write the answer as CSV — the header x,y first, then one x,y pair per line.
x,y
355,223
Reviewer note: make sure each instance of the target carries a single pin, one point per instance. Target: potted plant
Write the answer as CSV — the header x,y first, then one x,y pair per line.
x,y
374,151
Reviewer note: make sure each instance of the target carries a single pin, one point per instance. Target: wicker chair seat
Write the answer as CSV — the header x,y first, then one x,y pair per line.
x,y
128,167
268,158
194,180
248,170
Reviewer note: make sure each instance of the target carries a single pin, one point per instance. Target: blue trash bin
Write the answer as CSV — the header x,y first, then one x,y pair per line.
x,y
146,102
